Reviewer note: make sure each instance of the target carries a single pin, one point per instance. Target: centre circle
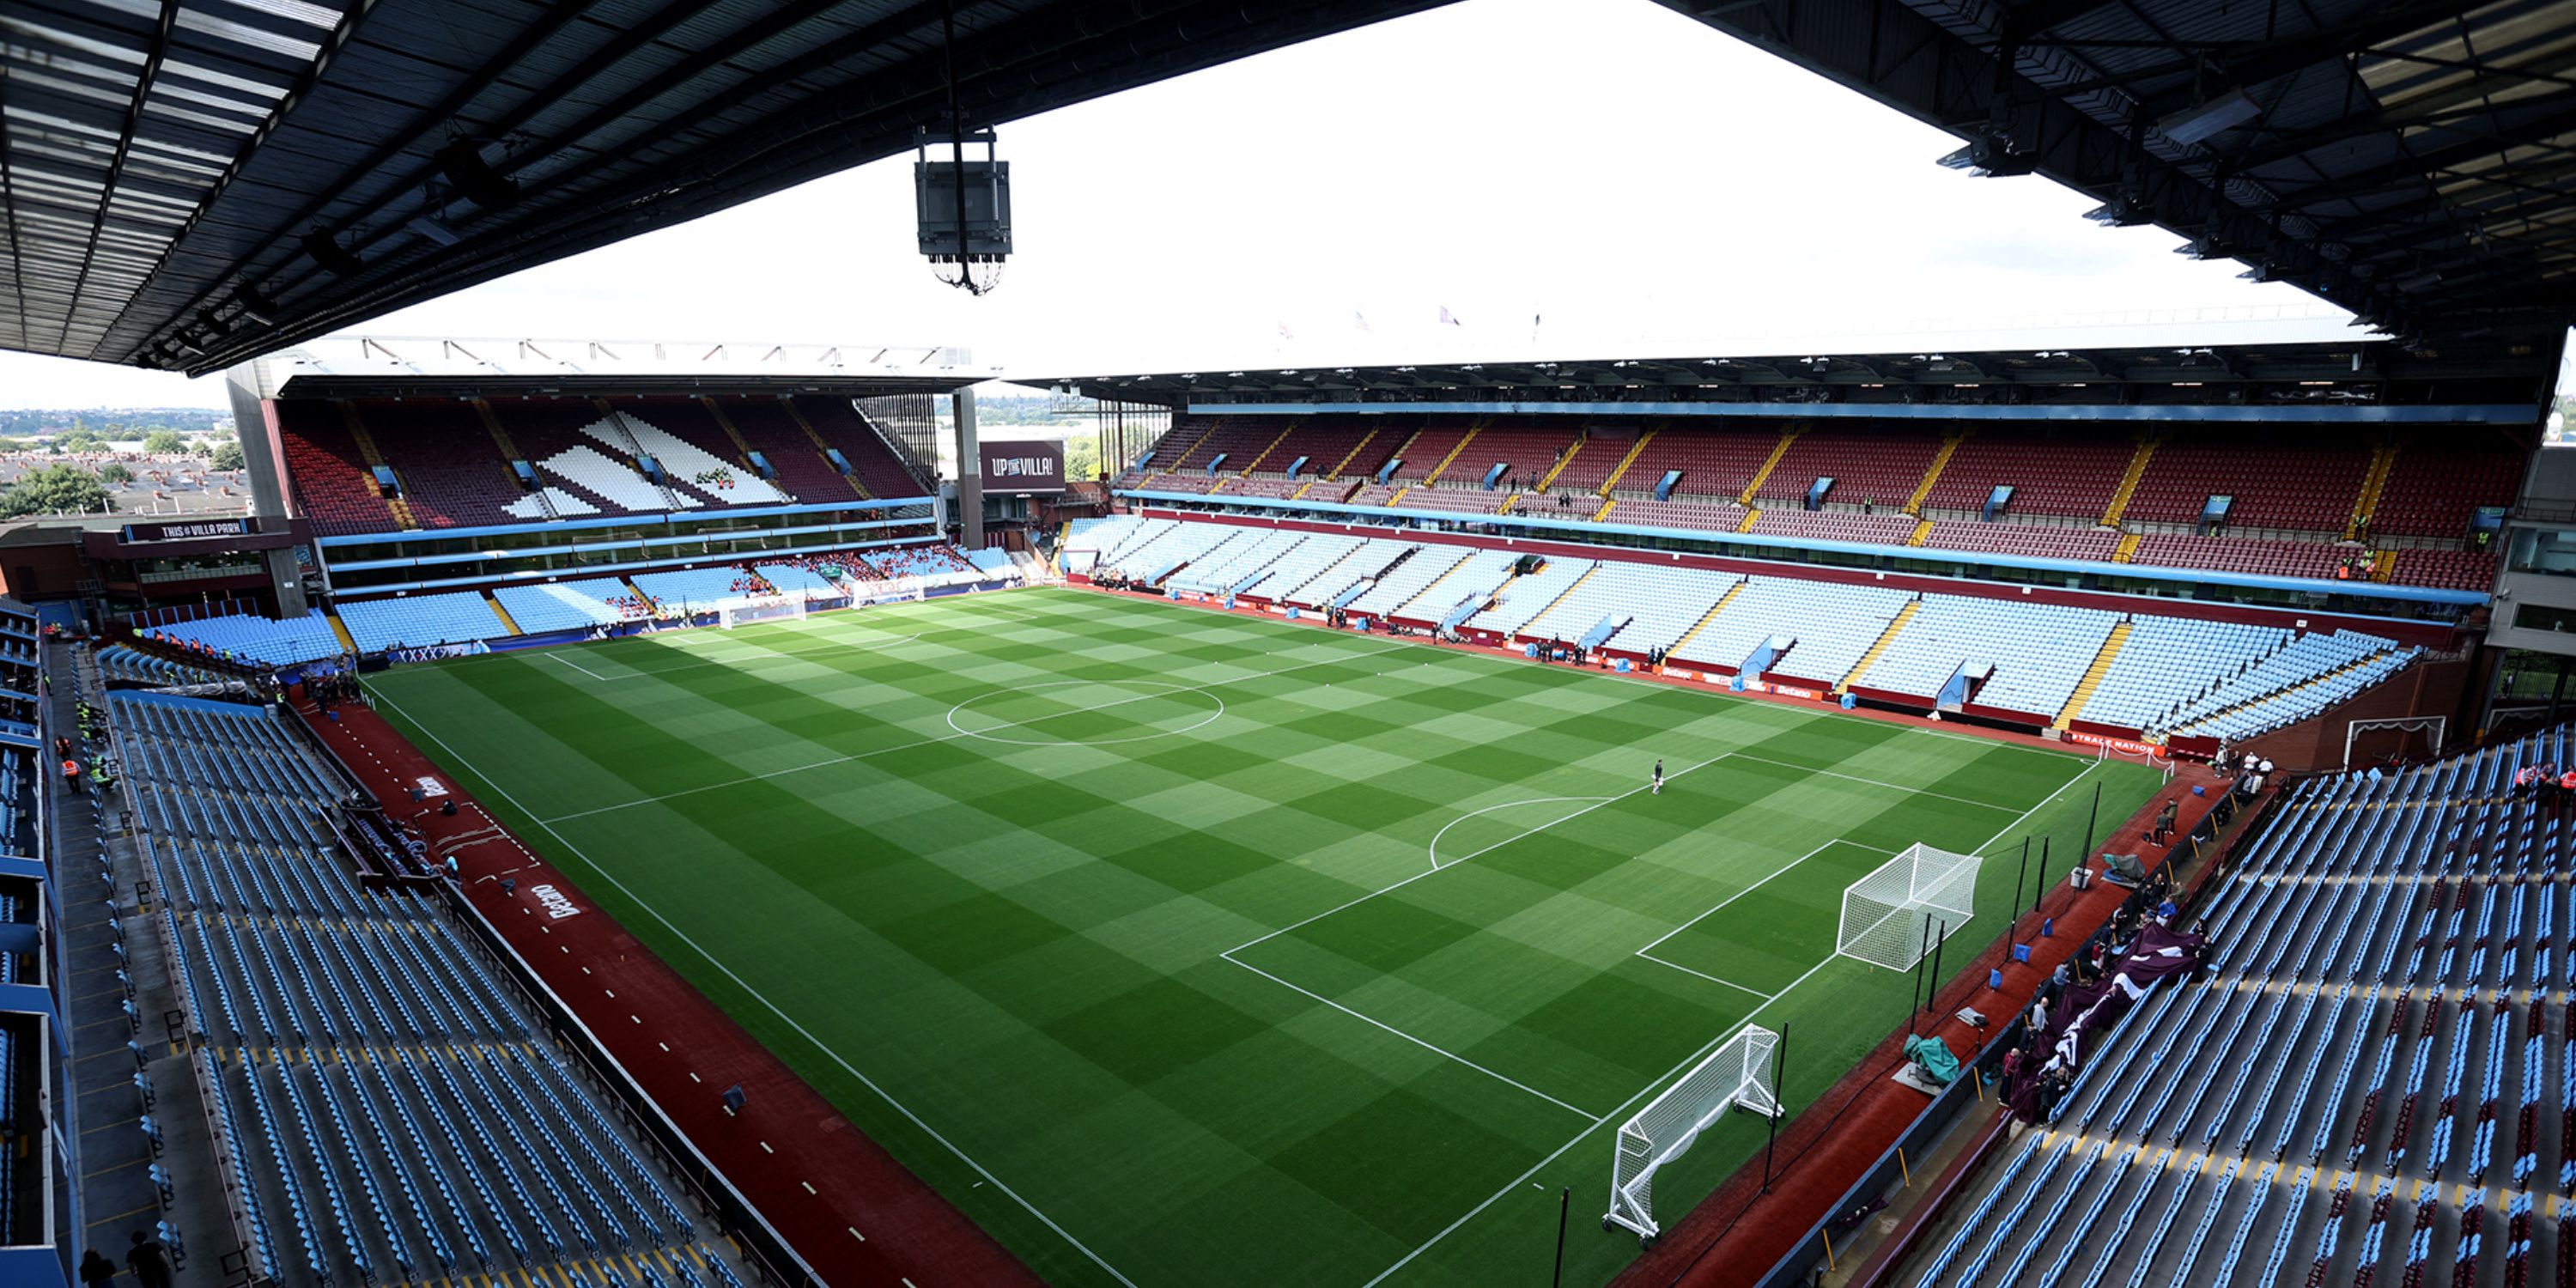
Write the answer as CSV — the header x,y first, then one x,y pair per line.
x,y
1026,715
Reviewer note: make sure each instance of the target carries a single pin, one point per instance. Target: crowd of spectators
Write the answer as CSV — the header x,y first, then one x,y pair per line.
x,y
2142,944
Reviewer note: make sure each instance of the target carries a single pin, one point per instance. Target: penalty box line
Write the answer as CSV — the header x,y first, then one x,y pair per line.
x,y
1648,952
1229,954
1687,1061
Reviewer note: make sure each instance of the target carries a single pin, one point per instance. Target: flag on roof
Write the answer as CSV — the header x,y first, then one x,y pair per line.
x,y
1448,318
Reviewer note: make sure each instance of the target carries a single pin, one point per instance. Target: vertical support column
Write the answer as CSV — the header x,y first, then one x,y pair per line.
x,y
970,471
284,582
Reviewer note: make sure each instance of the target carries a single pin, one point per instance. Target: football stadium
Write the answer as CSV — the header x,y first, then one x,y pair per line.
x,y
594,813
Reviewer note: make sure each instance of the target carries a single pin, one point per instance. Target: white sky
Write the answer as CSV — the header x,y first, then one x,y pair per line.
x,y
1648,186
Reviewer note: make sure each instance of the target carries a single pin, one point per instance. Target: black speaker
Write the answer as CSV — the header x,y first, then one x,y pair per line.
x,y
329,256
475,179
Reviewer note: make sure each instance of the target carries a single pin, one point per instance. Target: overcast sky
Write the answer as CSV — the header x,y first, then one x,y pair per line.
x,y
1636,181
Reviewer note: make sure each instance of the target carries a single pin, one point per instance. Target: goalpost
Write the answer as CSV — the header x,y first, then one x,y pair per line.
x,y
744,612
1735,1076
1921,895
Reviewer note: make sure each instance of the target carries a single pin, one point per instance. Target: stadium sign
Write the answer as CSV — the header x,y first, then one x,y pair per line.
x,y
1030,465
187,531
557,905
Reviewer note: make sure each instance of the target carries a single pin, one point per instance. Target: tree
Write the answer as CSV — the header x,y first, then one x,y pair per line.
x,y
79,438
228,455
201,447
1081,456
115,472
164,442
54,489
13,444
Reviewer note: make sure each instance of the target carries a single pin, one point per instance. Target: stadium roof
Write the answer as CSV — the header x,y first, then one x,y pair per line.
x,y
169,173
363,366
2411,160
2518,369
163,164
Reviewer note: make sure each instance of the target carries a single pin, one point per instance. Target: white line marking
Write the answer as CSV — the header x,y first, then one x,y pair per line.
x,y
828,762
1436,1050
745,985
2089,767
1434,847
1455,862
1706,976
1756,886
1754,1014
1855,778
575,665
1168,690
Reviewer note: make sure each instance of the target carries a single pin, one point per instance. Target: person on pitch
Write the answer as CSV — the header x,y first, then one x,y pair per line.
x,y
1659,778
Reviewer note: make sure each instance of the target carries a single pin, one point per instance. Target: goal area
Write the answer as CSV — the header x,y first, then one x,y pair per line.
x,y
1892,916
1735,1076
745,612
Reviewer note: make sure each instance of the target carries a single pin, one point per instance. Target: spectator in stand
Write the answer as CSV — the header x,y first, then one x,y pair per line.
x,y
96,1271
151,1266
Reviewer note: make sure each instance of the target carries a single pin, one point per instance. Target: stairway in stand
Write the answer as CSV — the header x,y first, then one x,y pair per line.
x,y
2093,675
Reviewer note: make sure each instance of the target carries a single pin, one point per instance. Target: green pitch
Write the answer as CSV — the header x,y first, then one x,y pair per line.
x,y
1231,951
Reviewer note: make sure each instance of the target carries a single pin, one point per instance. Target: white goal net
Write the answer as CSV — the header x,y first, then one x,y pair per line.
x,y
1892,916
744,612
1736,1076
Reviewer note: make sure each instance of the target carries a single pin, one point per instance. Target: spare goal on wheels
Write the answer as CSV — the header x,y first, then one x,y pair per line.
x,y
1892,916
1736,1076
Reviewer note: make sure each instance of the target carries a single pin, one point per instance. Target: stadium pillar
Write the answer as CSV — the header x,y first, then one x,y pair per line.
x,y
970,471
285,581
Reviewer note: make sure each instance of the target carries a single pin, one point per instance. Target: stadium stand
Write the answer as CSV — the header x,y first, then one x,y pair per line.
x,y
840,424
2168,662
1709,515
118,662
1526,454
1430,447
452,473
1825,628
1716,463
1520,600
566,605
328,471
767,426
2042,541
1875,466
2360,1086
694,589
419,621
394,1109
2309,485
2437,485
2065,475
2315,671
694,452
2008,657
2029,656
1837,525
2241,554
253,638
2296,506
1462,498
2449,569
